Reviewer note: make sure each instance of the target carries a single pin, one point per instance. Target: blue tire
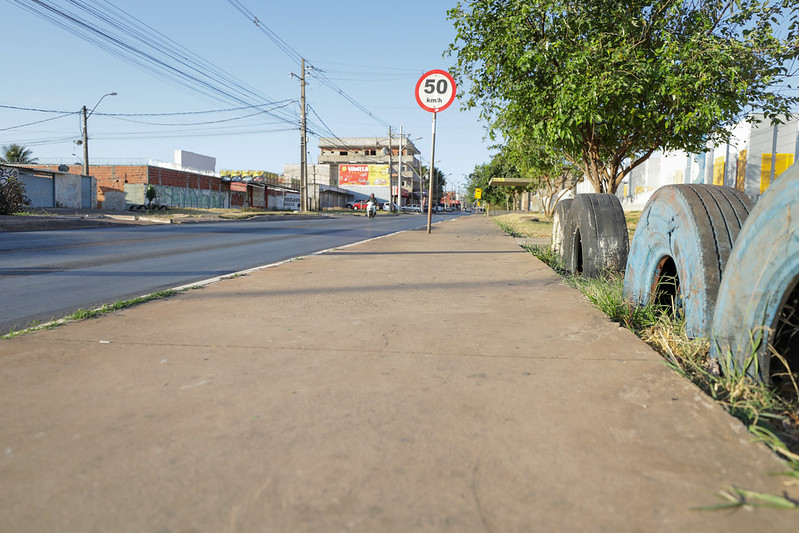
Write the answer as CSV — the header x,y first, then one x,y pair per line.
x,y
679,249
758,302
595,237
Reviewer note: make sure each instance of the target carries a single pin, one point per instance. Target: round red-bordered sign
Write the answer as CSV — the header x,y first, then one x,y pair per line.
x,y
435,91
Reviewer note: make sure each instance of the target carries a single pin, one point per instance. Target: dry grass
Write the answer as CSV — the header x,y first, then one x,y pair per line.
x,y
528,225
532,225
771,415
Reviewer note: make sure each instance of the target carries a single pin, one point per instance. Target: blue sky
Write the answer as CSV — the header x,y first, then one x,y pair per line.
x,y
372,51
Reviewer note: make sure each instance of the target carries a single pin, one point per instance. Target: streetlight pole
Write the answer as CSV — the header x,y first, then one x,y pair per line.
x,y
399,173
86,116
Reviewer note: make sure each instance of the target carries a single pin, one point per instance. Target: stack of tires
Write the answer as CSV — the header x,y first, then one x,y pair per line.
x,y
730,268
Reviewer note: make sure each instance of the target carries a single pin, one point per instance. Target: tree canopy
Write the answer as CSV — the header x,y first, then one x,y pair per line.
x,y
15,153
439,183
608,82
498,167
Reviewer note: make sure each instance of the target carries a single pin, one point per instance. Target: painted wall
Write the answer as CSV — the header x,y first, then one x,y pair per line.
x,y
177,196
57,190
745,163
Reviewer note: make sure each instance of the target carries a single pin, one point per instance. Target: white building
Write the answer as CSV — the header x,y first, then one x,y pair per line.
x,y
745,163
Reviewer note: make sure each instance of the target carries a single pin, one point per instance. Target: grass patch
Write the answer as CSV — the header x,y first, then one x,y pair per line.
x,y
770,414
525,225
82,314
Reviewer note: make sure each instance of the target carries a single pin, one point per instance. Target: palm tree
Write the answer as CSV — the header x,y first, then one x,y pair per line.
x,y
15,153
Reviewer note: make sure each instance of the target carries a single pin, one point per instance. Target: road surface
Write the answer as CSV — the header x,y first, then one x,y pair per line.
x,y
45,275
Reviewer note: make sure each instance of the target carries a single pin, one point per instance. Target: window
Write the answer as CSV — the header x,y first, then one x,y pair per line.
x,y
343,152
370,152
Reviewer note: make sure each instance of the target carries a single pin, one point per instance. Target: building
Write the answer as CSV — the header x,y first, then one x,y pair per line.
x,y
259,188
745,163
45,188
190,181
351,168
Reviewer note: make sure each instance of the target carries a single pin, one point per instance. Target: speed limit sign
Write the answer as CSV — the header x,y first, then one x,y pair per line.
x,y
435,91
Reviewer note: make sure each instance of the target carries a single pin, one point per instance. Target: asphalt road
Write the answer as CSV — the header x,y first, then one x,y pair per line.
x,y
46,275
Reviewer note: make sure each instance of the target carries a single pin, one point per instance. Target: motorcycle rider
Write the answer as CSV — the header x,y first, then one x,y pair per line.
x,y
371,205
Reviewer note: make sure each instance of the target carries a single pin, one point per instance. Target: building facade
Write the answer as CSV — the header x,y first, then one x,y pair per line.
x,y
351,168
190,181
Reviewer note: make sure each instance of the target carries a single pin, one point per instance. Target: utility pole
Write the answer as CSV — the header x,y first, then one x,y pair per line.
x,y
85,143
86,115
399,174
390,178
303,147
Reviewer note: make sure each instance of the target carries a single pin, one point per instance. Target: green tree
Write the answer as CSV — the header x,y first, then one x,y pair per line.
x,y
608,82
12,194
551,176
439,182
14,153
493,195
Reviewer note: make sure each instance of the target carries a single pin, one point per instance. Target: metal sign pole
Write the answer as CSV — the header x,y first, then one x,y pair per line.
x,y
432,173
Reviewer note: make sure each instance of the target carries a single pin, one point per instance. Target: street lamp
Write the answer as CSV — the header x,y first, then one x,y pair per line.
x,y
86,133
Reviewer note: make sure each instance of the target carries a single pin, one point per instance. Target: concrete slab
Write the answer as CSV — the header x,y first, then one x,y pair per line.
x,y
442,382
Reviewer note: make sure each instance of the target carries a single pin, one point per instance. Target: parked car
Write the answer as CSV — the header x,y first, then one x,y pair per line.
x,y
387,208
361,204
414,208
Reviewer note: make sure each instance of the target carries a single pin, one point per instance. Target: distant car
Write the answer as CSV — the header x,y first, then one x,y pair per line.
x,y
387,208
414,208
360,205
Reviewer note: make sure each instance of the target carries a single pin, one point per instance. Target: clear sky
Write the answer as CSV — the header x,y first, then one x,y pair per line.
x,y
373,52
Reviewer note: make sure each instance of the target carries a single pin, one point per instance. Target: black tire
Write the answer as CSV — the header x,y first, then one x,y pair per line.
x,y
758,303
680,247
559,216
595,235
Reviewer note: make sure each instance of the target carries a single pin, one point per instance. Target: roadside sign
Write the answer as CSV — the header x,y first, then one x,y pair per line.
x,y
478,193
435,91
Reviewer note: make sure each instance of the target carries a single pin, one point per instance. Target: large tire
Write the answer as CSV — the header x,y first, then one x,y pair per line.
x,y
559,217
680,247
595,239
759,293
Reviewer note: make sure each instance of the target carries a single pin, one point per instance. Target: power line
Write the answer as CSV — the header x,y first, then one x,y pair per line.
x,y
119,33
296,56
274,37
39,121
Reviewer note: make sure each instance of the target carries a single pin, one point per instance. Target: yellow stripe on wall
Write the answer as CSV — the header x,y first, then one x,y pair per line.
x,y
782,162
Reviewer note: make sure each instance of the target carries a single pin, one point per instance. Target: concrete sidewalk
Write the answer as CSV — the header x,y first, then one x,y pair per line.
x,y
442,382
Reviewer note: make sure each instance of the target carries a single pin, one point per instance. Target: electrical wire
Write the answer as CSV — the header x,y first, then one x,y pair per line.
x,y
37,122
274,37
296,56
119,33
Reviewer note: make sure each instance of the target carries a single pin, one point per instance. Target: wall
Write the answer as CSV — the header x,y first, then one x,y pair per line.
x,y
67,191
45,189
177,196
115,201
744,164
280,200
